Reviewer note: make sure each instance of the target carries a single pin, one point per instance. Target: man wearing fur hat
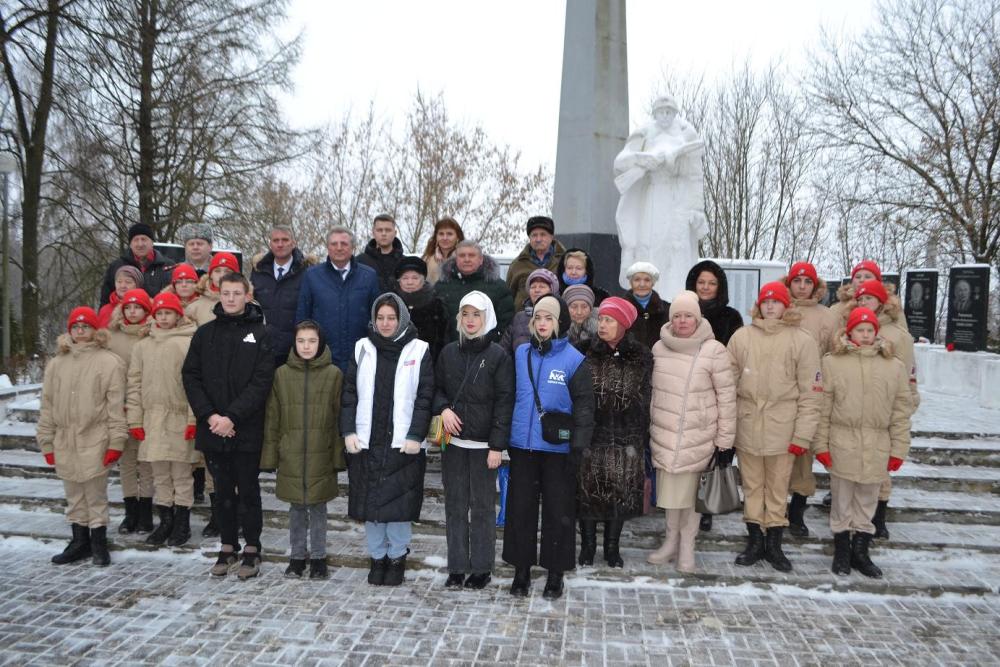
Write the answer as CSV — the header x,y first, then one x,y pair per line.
x,y
542,251
197,240
141,254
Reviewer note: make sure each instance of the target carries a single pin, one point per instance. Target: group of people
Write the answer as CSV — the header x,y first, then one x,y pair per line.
x,y
599,404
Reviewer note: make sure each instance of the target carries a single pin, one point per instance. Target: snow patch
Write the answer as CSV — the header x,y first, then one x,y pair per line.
x,y
435,561
5,382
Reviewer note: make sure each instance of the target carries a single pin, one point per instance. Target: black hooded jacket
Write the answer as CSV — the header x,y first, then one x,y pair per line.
x,y
383,263
228,371
724,319
600,294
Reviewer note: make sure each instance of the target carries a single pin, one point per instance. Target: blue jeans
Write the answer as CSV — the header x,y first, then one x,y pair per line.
x,y
388,539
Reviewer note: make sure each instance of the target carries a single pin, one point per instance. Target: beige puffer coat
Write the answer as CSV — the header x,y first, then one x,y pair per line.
x,y
865,417
156,399
892,327
83,407
694,400
200,310
779,388
124,336
817,320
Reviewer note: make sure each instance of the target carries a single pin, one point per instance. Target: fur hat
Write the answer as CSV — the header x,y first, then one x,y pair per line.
x,y
643,267
411,263
578,293
140,229
167,301
83,314
226,259
775,290
873,288
546,276
540,222
867,265
860,315
183,272
132,272
136,296
802,269
620,310
686,302
196,230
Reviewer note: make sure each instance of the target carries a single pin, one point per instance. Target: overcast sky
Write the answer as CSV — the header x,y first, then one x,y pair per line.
x,y
499,63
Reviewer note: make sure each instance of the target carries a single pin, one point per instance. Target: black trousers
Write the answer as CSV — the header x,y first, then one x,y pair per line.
x,y
470,504
551,478
237,473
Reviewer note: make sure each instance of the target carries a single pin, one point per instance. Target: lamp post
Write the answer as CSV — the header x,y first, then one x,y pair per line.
x,y
8,165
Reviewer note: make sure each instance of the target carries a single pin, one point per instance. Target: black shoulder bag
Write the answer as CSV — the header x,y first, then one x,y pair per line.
x,y
557,427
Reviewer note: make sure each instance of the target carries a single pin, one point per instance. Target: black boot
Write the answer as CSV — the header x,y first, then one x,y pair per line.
x,y
860,560
521,585
318,569
612,539
828,499
144,524
296,566
796,510
455,580
881,532
754,549
705,524
131,520
772,550
78,547
159,536
99,546
376,571
588,542
394,570
553,586
210,529
180,533
199,485
842,553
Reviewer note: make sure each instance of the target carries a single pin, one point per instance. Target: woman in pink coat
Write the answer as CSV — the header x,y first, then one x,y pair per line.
x,y
693,414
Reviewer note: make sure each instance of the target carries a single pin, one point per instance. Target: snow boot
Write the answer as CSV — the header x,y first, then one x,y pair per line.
x,y
455,580
144,524
478,581
181,531
225,563
99,546
842,553
881,532
318,569
521,585
588,542
772,550
250,567
296,567
754,549
210,529
668,550
376,571
131,520
159,536
78,547
796,510
394,571
690,524
705,525
860,559
553,586
612,539
199,485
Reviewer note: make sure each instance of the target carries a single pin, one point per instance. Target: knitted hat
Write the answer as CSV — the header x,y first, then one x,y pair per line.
x,y
546,276
873,288
196,230
643,267
578,293
167,301
226,259
182,272
541,222
137,296
686,302
132,272
82,314
859,315
555,307
411,263
140,229
867,265
620,310
776,291
802,269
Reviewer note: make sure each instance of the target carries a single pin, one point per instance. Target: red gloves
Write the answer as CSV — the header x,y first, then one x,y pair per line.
x,y
189,432
50,458
894,464
137,434
825,459
796,450
111,456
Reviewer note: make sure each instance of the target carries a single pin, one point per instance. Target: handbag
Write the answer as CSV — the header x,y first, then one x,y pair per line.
x,y
557,427
718,488
437,434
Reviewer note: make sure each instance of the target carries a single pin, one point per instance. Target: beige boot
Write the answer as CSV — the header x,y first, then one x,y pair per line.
x,y
668,550
689,524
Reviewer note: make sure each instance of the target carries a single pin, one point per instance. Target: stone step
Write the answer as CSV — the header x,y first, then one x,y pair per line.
x,y
971,479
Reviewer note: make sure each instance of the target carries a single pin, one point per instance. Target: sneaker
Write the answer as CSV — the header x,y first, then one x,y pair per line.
x,y
318,569
250,567
227,561
296,567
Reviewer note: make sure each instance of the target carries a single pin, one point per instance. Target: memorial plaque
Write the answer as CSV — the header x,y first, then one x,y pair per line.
x,y
920,303
892,279
968,295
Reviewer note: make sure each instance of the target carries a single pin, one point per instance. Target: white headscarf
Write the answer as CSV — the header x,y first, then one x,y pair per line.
x,y
482,303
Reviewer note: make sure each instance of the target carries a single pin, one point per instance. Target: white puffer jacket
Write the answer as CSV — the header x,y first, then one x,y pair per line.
x,y
694,400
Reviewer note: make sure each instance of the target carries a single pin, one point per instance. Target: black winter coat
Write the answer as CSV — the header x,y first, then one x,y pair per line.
x,y
228,371
385,484
486,401
279,299
651,319
612,474
724,319
429,315
156,276
600,294
384,264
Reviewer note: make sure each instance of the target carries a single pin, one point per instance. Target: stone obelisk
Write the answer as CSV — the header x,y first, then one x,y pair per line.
x,y
593,126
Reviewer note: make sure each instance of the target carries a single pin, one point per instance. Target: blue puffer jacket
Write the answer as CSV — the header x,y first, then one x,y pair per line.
x,y
342,307
564,384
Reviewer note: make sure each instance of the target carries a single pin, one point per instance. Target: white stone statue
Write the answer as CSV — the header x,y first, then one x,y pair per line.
x,y
661,213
